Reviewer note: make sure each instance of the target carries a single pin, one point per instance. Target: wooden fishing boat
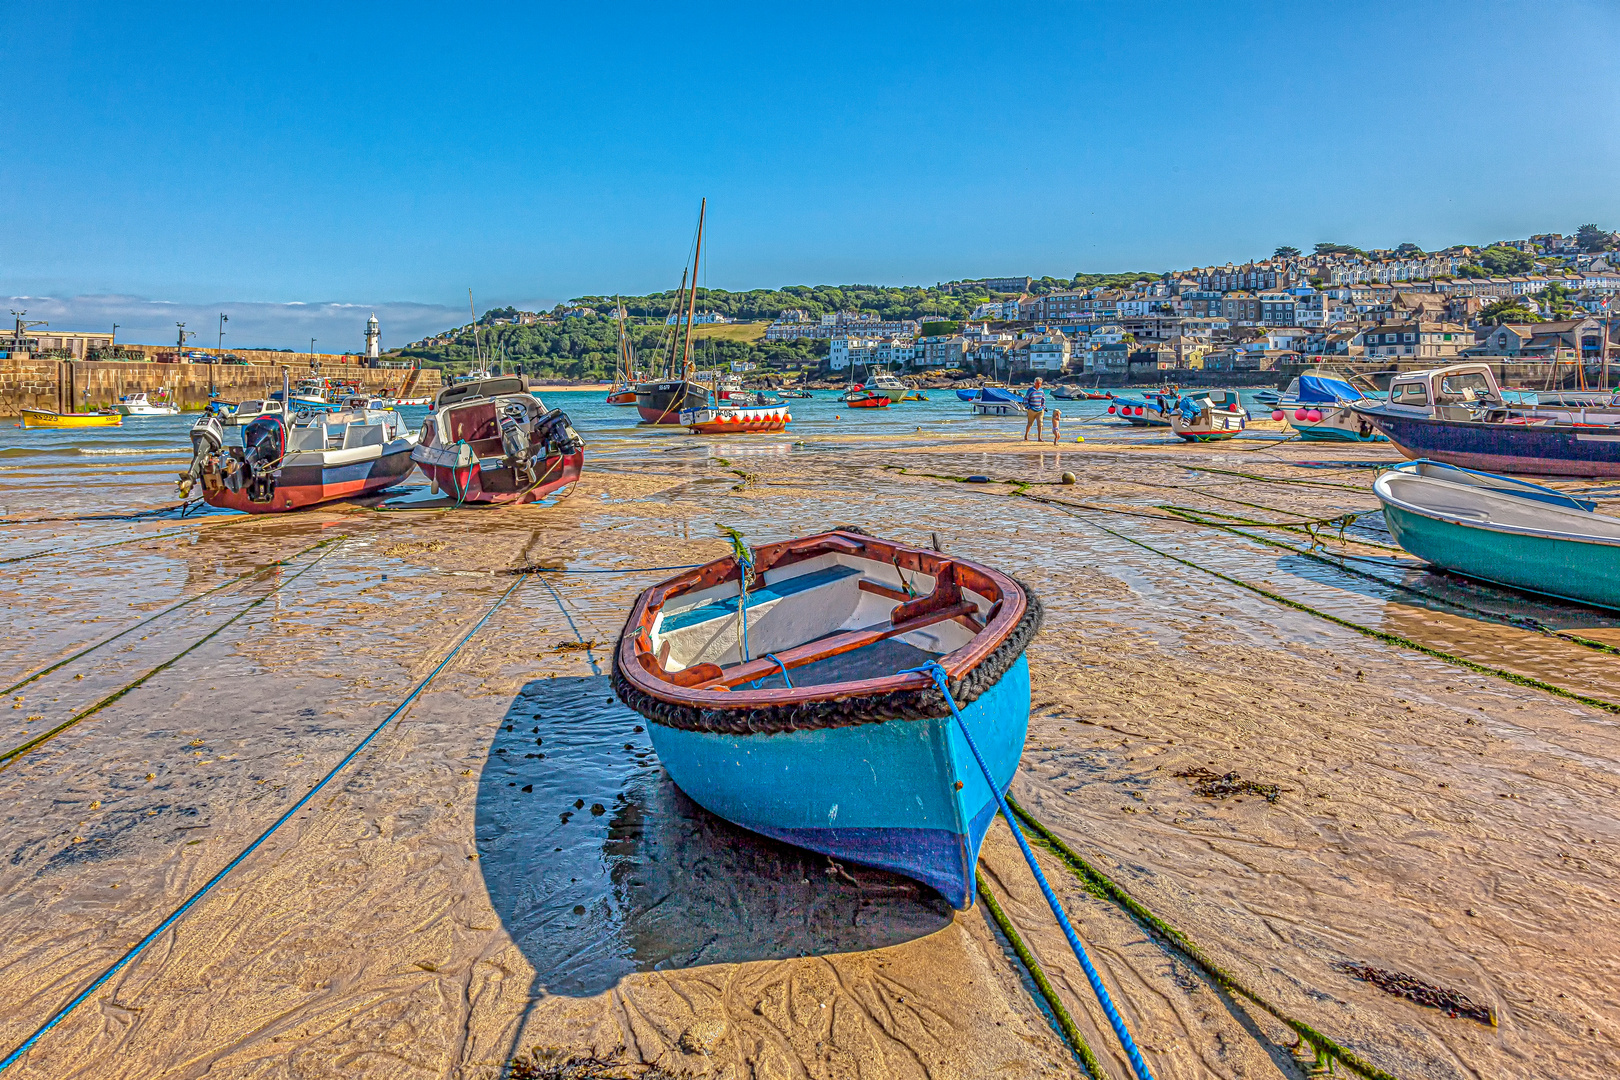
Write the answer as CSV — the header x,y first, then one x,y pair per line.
x,y
729,420
779,700
327,455
1506,531
1209,417
494,442
39,418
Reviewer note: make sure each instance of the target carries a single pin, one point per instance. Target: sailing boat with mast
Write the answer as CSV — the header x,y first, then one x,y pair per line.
x,y
623,390
660,401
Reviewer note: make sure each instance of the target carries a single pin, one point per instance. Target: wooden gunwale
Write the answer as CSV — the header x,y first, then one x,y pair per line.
x,y
638,666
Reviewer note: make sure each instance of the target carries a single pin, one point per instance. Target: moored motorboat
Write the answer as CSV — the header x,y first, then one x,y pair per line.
x,y
1153,411
779,697
1506,531
1209,417
1459,415
137,404
493,441
861,398
1320,407
735,420
332,454
41,418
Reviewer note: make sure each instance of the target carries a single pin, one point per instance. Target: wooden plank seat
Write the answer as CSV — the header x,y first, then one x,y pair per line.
x,y
832,645
761,594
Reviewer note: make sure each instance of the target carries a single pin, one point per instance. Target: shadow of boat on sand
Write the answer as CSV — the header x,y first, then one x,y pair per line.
x,y
598,866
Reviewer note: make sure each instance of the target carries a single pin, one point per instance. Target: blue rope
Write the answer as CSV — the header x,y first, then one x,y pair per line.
x,y
1117,1022
174,917
778,659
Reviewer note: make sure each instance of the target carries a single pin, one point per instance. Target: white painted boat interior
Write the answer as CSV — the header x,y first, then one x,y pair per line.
x,y
1493,507
702,626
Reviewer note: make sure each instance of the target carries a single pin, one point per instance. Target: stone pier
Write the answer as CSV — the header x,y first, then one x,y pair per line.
x,y
85,386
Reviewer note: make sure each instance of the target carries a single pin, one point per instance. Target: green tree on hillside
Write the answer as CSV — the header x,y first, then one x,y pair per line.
x,y
1500,260
1593,239
1286,252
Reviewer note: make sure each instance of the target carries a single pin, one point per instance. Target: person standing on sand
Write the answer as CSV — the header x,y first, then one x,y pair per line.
x,y
1057,415
1034,408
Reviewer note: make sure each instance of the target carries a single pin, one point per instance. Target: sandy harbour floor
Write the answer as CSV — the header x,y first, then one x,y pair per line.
x,y
505,872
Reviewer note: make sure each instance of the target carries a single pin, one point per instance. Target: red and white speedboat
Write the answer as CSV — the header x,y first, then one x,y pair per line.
x,y
733,420
492,441
321,457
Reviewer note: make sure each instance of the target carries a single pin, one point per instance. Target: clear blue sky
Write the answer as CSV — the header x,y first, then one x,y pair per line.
x,y
236,154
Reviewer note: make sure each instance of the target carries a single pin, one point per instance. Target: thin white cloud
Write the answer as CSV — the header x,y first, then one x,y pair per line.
x,y
336,327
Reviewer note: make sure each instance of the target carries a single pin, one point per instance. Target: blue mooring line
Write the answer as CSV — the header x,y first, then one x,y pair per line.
x,y
140,946
562,607
1117,1022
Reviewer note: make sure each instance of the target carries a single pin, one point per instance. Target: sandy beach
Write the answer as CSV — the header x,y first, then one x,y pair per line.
x,y
505,874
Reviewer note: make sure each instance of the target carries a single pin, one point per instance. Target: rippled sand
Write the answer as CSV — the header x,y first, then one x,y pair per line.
x,y
455,900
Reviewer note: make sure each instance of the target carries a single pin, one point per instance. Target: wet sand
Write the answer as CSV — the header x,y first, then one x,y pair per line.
x,y
506,873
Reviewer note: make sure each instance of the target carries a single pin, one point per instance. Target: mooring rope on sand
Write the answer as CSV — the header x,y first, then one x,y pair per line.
x,y
8,756
174,916
1099,884
1378,635
1523,622
256,572
1138,1065
132,540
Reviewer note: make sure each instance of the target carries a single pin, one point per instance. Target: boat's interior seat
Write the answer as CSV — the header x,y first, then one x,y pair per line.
x,y
309,437
356,435
760,595
708,632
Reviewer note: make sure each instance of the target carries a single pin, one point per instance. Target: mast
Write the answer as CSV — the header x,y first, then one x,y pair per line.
x,y
477,356
675,332
691,305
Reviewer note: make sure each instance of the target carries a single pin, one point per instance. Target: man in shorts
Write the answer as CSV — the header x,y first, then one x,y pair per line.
x,y
1034,409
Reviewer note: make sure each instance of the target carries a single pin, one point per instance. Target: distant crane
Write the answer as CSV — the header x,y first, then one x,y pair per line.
x,y
19,342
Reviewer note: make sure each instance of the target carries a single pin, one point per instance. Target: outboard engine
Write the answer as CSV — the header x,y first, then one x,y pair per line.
x,y
553,429
264,444
207,438
515,439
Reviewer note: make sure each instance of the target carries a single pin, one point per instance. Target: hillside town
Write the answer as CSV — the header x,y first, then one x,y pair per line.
x,y
1547,297
1257,316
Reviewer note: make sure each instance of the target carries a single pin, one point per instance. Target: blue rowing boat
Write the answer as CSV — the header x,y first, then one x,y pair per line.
x,y
779,688
1505,531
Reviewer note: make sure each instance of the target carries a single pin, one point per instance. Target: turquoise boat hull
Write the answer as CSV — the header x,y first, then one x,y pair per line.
x,y
1587,573
903,795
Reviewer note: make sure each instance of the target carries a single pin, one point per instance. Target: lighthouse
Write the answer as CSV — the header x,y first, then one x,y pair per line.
x,y
373,337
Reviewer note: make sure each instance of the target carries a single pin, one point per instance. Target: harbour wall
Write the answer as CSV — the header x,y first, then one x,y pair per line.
x,y
85,386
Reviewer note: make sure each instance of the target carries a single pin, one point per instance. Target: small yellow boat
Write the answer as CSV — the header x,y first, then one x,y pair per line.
x,y
39,418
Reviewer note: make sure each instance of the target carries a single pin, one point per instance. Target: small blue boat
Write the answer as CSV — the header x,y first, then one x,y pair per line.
x,y
1152,410
786,707
1505,531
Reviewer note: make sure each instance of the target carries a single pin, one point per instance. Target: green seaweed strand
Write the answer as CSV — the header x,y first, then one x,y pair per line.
x,y
1535,624
1377,635
1071,1033
1100,884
